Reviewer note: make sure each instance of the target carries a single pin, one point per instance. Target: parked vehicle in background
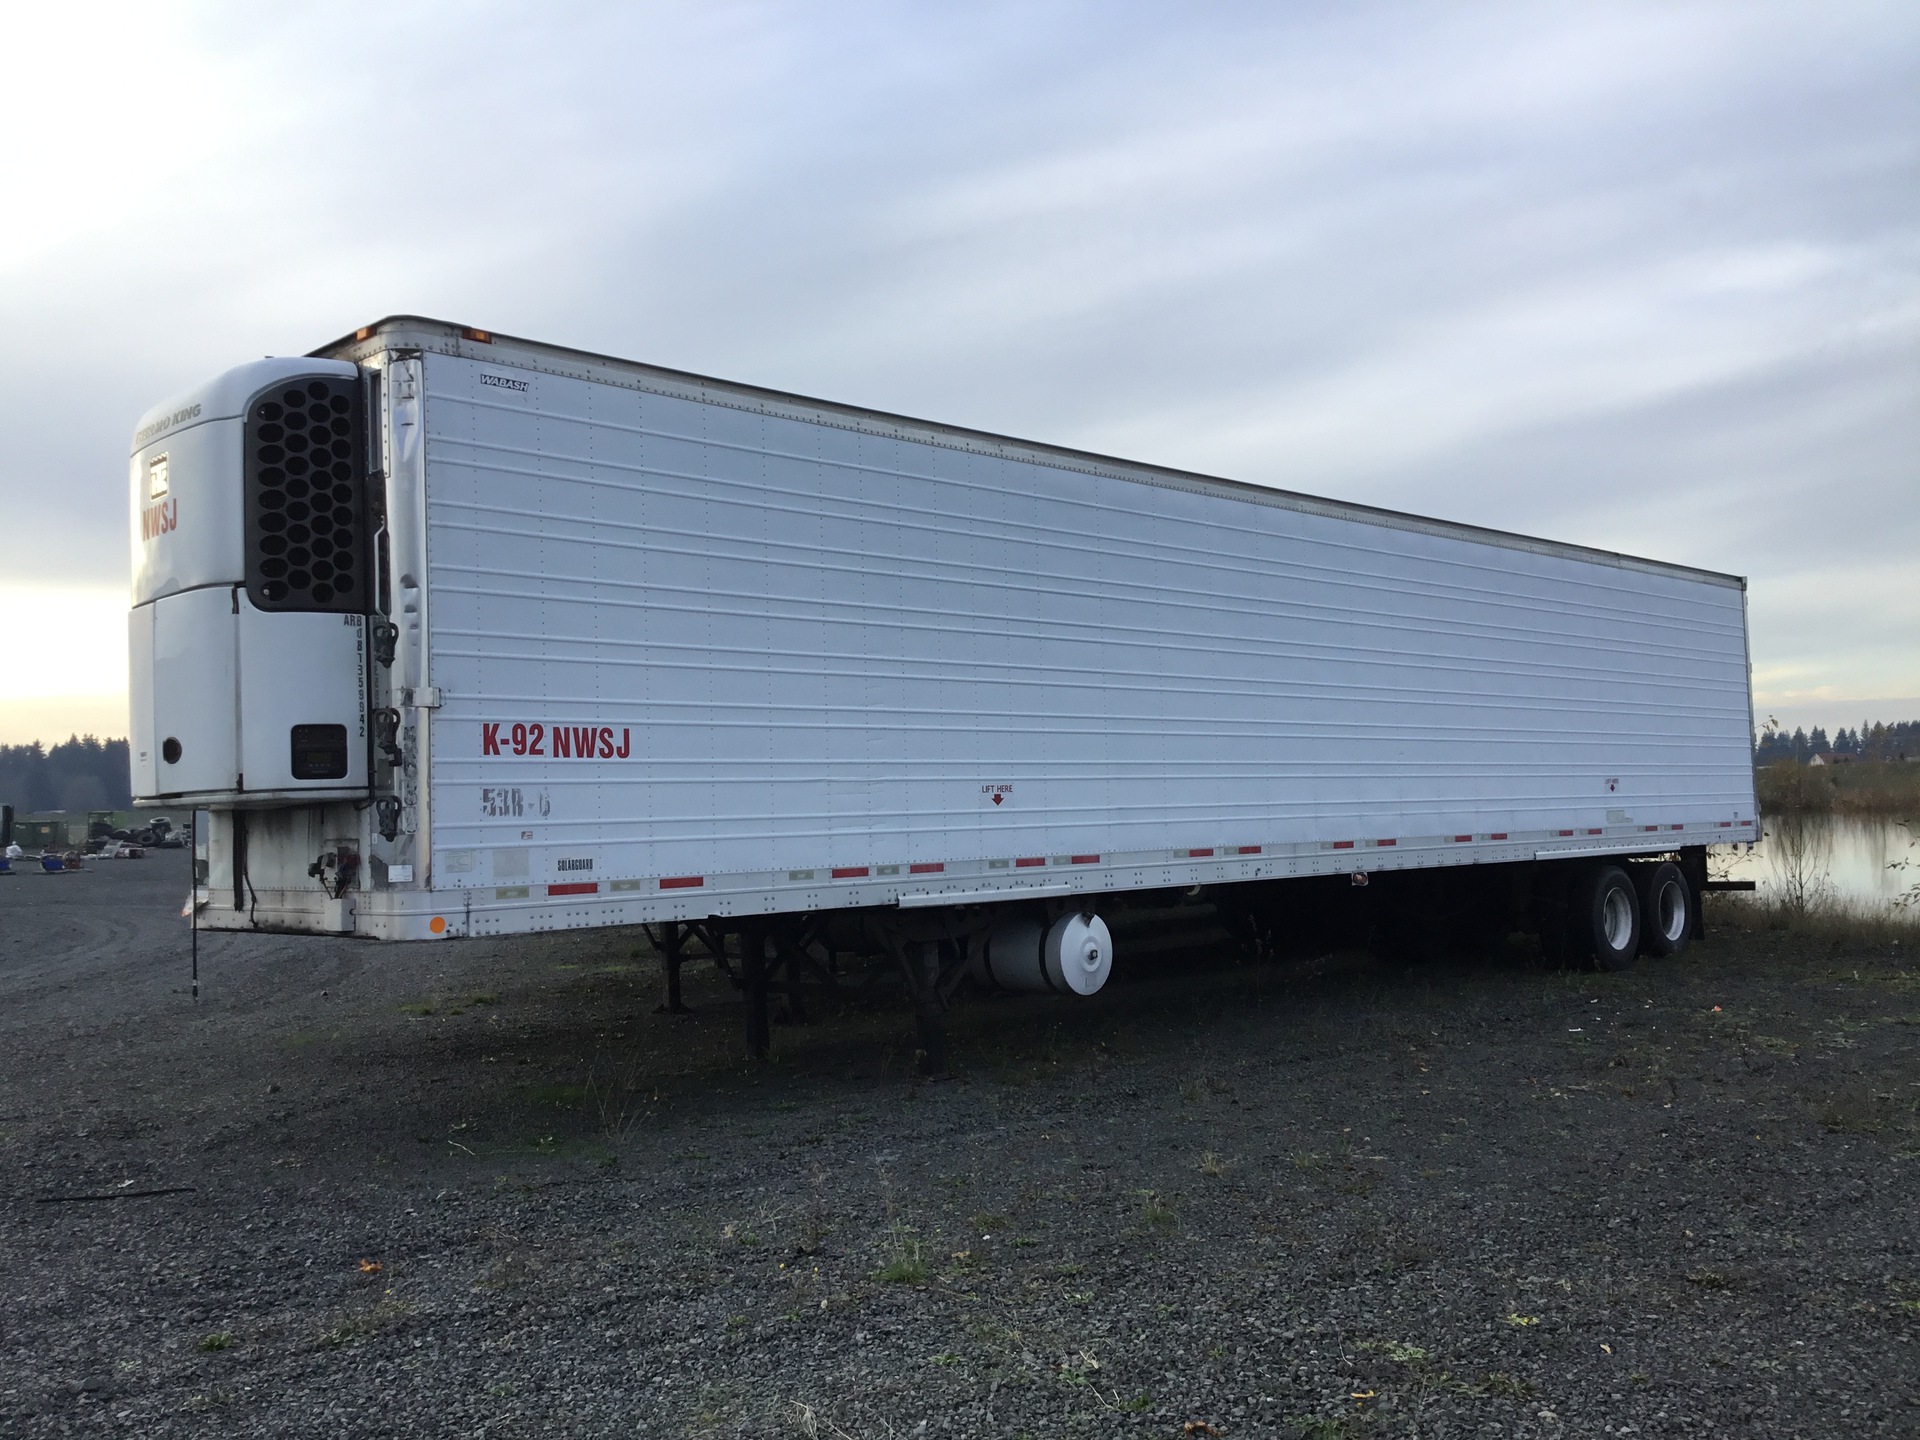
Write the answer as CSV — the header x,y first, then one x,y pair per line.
x,y
453,634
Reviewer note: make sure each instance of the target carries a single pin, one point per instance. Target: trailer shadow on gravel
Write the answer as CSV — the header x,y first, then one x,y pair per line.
x,y
610,1061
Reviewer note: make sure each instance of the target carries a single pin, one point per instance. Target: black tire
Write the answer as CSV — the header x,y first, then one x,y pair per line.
x,y
1604,915
1666,908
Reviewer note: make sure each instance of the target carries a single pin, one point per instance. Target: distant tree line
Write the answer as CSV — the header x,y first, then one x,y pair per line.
x,y
1869,742
82,774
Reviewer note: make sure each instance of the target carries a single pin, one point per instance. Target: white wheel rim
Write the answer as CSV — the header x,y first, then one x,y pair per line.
x,y
1672,907
1617,919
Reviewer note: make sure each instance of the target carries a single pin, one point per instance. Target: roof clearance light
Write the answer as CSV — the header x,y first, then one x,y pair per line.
x,y
469,333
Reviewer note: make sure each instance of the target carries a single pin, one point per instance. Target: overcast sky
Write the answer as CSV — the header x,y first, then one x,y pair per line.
x,y
1643,277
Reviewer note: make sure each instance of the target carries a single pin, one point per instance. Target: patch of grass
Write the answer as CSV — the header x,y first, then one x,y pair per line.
x,y
218,1340
987,1222
1853,1112
1078,1370
716,1405
1711,1279
365,1322
1818,917
418,1007
1211,1164
906,1260
1156,1213
1329,1427
1507,1387
1866,787
620,1097
483,999
1397,1351
1423,1369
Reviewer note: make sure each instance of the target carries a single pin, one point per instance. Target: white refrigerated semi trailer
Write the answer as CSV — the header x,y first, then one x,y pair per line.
x,y
455,634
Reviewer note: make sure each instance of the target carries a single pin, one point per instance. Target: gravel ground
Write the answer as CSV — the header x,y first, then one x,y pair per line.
x,y
481,1188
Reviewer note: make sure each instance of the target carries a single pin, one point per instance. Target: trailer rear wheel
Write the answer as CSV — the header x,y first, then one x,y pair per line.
x,y
1606,917
1666,908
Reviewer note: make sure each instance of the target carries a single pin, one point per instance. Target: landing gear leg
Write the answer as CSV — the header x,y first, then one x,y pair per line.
x,y
753,976
789,962
670,943
921,960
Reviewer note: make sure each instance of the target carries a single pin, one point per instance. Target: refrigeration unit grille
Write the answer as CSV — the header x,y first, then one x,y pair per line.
x,y
306,498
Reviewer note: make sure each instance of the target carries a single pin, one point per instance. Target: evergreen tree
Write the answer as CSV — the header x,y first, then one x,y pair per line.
x,y
80,774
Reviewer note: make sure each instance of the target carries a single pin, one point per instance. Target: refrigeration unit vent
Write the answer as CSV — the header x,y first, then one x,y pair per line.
x,y
306,498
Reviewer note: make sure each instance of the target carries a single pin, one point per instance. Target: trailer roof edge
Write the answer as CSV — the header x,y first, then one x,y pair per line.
x,y
470,342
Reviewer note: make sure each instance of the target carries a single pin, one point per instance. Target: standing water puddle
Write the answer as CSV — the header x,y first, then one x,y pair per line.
x,y
1854,860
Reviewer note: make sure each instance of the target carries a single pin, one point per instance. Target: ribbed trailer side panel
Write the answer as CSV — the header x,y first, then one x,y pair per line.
x,y
816,664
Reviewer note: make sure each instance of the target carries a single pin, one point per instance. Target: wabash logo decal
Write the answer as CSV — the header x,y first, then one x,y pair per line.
x,y
556,742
